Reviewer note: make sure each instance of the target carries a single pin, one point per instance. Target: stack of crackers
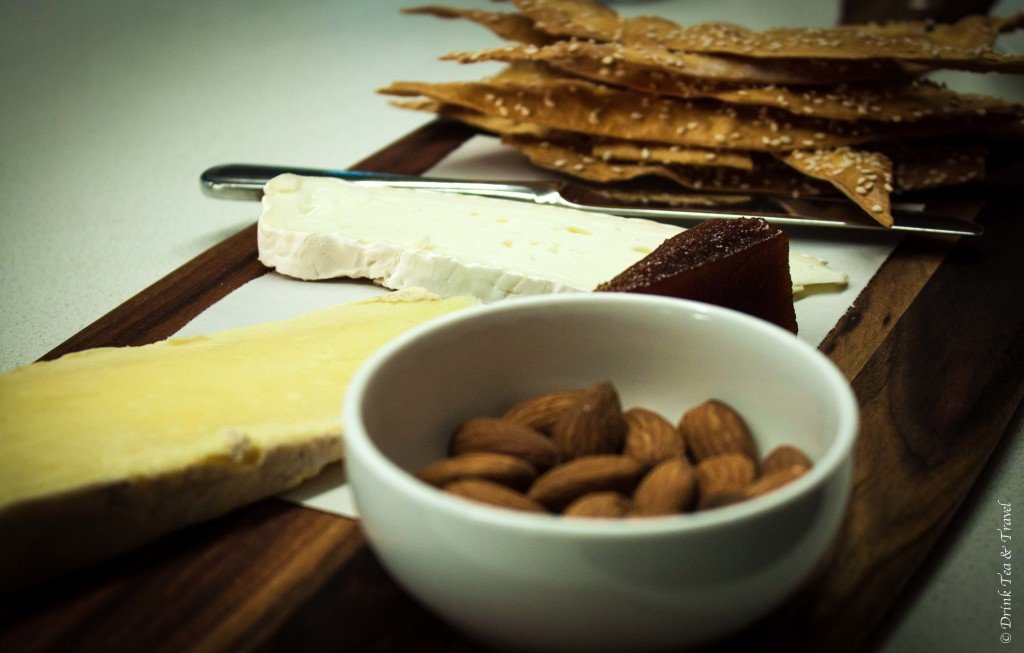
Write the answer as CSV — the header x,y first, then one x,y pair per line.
x,y
716,107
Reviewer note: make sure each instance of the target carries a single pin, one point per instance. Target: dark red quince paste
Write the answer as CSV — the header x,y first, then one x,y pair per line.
x,y
742,264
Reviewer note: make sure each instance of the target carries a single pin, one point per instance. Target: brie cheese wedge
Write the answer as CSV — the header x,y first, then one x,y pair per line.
x,y
321,228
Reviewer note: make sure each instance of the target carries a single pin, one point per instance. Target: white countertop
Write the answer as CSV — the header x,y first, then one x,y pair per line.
x,y
109,110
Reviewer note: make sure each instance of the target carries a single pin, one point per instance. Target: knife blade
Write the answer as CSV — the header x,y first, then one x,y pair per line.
x,y
246,181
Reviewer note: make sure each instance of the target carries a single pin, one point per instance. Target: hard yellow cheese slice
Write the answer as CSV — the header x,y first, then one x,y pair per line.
x,y
115,446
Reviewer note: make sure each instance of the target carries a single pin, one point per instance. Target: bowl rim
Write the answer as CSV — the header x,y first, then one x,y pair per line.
x,y
358,443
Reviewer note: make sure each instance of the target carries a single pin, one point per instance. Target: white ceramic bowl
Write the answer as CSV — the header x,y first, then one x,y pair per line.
x,y
544,582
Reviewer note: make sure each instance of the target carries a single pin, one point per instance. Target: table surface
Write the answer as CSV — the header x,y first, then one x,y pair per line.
x,y
110,110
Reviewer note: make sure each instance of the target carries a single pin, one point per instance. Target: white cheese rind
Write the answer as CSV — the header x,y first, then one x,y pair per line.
x,y
321,228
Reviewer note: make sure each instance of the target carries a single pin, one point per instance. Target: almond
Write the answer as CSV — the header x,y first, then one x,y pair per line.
x,y
783,457
650,438
593,425
607,505
544,411
495,435
721,499
714,428
493,494
560,486
728,473
501,468
774,480
669,488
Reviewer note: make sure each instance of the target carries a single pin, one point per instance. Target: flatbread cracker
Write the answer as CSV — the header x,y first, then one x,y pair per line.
x,y
966,44
492,124
525,92
644,197
663,74
721,107
614,150
585,108
864,177
899,103
708,67
511,27
623,59
604,149
570,160
917,166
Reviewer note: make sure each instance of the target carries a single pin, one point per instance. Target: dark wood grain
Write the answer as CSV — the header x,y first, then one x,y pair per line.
x,y
387,618
854,339
936,389
220,586
936,396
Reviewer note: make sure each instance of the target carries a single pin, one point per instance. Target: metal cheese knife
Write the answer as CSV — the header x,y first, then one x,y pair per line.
x,y
245,182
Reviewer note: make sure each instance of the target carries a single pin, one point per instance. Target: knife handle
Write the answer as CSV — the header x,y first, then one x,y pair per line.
x,y
240,181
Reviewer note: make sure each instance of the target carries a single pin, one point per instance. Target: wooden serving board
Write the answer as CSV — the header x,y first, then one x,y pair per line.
x,y
934,348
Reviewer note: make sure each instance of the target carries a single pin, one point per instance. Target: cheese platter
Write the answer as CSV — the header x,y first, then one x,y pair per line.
x,y
875,308
869,344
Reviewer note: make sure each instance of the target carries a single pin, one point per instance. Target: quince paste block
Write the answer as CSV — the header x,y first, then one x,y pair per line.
x,y
105,449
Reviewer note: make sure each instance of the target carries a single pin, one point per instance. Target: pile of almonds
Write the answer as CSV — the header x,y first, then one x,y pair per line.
x,y
576,452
